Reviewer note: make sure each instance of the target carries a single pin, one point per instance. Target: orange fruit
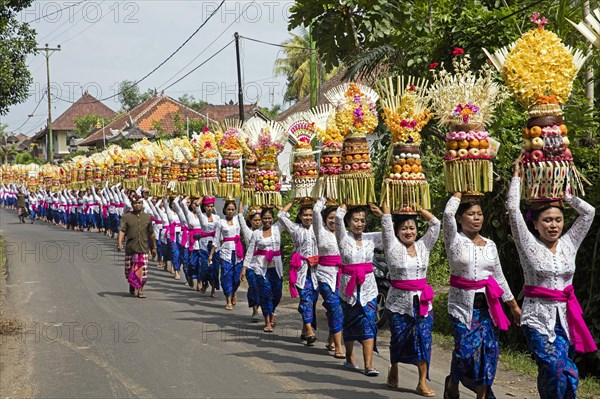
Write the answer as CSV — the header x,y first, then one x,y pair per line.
x,y
334,160
484,144
406,168
410,161
563,130
453,145
418,161
397,169
401,161
463,143
535,131
349,158
357,157
526,133
474,143
365,156
415,169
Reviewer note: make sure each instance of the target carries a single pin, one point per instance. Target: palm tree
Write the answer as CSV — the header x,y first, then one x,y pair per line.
x,y
295,65
6,151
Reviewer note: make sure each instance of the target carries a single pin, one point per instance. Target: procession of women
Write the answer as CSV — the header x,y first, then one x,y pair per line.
x,y
158,200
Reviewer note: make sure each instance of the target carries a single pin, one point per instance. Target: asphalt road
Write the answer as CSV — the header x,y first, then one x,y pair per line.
x,y
88,338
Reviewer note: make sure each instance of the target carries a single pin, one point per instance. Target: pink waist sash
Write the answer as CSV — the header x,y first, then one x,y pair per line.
x,y
184,236
269,254
493,292
239,248
172,234
295,266
580,334
357,273
417,285
191,234
331,261
205,234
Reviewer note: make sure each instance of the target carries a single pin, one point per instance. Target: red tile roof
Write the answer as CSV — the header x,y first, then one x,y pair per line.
x,y
220,112
161,109
86,105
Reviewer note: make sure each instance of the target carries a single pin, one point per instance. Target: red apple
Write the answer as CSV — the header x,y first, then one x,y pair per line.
x,y
567,154
537,155
474,152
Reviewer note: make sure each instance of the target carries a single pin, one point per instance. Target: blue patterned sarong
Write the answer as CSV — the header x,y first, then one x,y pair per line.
x,y
475,354
331,303
359,322
308,301
175,259
410,342
192,271
230,275
270,288
253,293
209,273
558,377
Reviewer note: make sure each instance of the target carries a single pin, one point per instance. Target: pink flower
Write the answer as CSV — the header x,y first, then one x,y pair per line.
x,y
434,65
537,19
457,51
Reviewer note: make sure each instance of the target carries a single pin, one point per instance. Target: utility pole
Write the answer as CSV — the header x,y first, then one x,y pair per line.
x,y
49,52
589,71
239,74
313,68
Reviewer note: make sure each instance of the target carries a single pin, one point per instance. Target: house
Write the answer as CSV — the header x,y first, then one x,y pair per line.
x,y
160,112
220,112
63,127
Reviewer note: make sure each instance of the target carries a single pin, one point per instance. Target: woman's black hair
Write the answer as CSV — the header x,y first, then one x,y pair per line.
x,y
227,203
325,213
399,220
301,211
264,211
250,217
352,211
462,208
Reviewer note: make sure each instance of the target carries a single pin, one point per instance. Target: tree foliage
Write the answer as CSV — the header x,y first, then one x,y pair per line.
x,y
295,66
84,125
17,41
189,101
130,95
386,37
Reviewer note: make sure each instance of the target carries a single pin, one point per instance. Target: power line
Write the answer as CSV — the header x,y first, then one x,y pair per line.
x,y
58,27
57,11
190,72
159,65
32,112
275,44
209,45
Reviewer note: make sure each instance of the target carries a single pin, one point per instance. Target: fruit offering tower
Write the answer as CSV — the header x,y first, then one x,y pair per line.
x,y
205,145
405,113
230,141
464,102
304,166
543,87
353,117
330,160
266,140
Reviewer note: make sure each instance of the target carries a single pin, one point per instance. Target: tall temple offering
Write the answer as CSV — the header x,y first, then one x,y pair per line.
x,y
330,161
266,140
304,166
230,142
353,117
539,71
205,145
464,102
405,113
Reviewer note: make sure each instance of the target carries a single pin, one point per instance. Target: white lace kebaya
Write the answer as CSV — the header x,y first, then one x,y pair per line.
x,y
402,266
470,261
305,244
352,254
541,267
327,246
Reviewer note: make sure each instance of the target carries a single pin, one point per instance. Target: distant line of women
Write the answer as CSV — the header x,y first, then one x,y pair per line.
x,y
333,258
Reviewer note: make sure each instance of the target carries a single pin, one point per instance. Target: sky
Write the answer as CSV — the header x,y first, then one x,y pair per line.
x,y
104,42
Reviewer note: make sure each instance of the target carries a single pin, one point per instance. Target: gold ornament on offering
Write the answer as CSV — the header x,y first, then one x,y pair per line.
x,y
464,102
539,71
229,140
304,166
266,140
354,116
405,111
